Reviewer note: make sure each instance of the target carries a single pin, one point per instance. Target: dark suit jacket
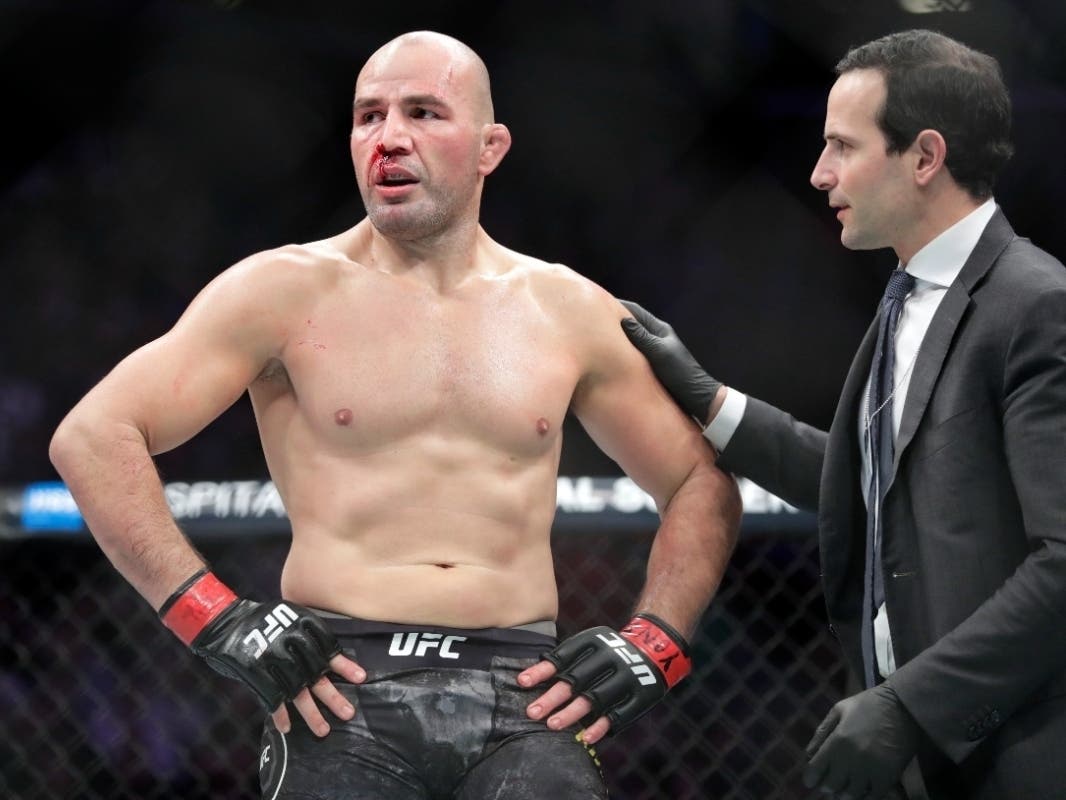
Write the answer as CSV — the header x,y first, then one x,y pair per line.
x,y
975,519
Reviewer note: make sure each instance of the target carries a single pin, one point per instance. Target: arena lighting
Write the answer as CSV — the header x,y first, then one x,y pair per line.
x,y
934,6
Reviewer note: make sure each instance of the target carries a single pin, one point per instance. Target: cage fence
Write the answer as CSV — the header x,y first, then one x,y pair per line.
x,y
102,703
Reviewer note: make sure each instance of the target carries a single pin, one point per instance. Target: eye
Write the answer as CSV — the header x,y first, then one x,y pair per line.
x,y
424,113
368,117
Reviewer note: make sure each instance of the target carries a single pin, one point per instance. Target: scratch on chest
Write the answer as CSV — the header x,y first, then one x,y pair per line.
x,y
317,345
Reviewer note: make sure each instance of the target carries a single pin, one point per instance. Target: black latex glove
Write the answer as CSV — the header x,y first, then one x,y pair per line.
x,y
862,745
687,382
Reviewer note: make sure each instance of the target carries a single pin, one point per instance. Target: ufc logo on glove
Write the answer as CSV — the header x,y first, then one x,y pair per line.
x,y
280,618
234,637
654,654
635,660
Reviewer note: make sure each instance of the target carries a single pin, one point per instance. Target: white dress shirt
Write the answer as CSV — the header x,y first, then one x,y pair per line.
x,y
935,267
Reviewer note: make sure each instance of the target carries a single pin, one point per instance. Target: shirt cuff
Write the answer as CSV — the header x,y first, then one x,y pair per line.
x,y
725,422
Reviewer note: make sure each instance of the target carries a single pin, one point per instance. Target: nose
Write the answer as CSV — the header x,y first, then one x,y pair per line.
x,y
395,134
823,177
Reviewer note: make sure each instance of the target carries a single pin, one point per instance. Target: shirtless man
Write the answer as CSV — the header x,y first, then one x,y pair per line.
x,y
410,377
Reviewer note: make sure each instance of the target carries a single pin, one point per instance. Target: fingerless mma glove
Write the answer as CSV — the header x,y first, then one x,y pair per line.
x,y
622,673
274,648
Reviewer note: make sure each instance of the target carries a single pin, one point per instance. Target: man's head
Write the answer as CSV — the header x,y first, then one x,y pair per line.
x,y
423,135
936,82
912,115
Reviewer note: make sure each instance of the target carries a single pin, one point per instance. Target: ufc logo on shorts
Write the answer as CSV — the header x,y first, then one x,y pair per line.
x,y
276,621
635,661
418,644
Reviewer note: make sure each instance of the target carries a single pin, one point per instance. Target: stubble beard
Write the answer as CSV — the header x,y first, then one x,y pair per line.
x,y
412,221
405,223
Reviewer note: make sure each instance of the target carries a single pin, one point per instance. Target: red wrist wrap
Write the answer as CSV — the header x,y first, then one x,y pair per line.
x,y
197,606
668,653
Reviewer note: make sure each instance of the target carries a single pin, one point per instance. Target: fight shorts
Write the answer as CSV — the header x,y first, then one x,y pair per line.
x,y
440,715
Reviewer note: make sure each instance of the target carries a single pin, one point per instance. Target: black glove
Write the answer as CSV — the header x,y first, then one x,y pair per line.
x,y
691,387
622,673
274,648
862,745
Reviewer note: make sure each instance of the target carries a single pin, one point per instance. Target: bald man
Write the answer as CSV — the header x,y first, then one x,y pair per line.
x,y
412,423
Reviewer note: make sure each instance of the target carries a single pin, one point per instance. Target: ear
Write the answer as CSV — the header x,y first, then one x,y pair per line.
x,y
932,151
495,142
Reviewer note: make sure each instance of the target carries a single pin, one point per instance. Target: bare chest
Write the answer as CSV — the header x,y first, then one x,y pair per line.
x,y
488,367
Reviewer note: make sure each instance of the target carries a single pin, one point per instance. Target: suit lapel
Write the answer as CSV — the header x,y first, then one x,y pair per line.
x,y
841,497
927,365
841,504
934,348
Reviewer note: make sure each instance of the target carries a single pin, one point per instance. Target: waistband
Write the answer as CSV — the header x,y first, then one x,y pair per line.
x,y
391,646
545,627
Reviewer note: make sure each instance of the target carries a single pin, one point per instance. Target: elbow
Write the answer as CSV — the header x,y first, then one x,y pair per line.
x,y
68,446
728,504
61,448
712,494
87,444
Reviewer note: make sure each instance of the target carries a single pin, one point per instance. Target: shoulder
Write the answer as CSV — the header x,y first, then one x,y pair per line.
x,y
1024,277
1019,308
565,295
1029,264
280,277
583,314
288,266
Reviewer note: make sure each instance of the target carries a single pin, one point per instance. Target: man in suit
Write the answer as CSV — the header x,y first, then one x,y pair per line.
x,y
943,539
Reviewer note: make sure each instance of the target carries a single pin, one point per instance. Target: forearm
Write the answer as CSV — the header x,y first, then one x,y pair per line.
x,y
113,480
696,537
778,452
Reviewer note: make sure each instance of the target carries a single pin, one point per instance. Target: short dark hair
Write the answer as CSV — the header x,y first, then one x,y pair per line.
x,y
936,82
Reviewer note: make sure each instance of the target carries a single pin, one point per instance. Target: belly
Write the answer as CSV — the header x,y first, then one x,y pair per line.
x,y
449,593
402,536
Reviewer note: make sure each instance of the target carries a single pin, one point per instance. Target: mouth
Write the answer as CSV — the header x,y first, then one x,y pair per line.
x,y
392,176
391,179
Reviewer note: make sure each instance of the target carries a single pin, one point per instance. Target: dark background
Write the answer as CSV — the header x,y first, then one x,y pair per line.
x,y
661,148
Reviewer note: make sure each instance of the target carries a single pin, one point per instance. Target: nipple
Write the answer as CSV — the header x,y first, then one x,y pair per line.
x,y
343,417
542,426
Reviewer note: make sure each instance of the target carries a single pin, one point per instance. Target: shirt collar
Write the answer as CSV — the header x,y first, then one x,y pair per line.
x,y
942,260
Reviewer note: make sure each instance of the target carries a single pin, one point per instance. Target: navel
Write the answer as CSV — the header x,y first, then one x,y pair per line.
x,y
343,417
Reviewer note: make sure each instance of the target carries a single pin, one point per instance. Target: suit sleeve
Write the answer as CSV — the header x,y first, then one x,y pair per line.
x,y
1014,642
779,453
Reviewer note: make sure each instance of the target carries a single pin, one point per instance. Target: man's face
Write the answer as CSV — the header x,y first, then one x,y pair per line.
x,y
871,189
416,140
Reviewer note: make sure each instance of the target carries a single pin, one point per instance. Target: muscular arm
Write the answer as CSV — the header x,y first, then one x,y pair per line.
x,y
155,399
632,419
630,416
